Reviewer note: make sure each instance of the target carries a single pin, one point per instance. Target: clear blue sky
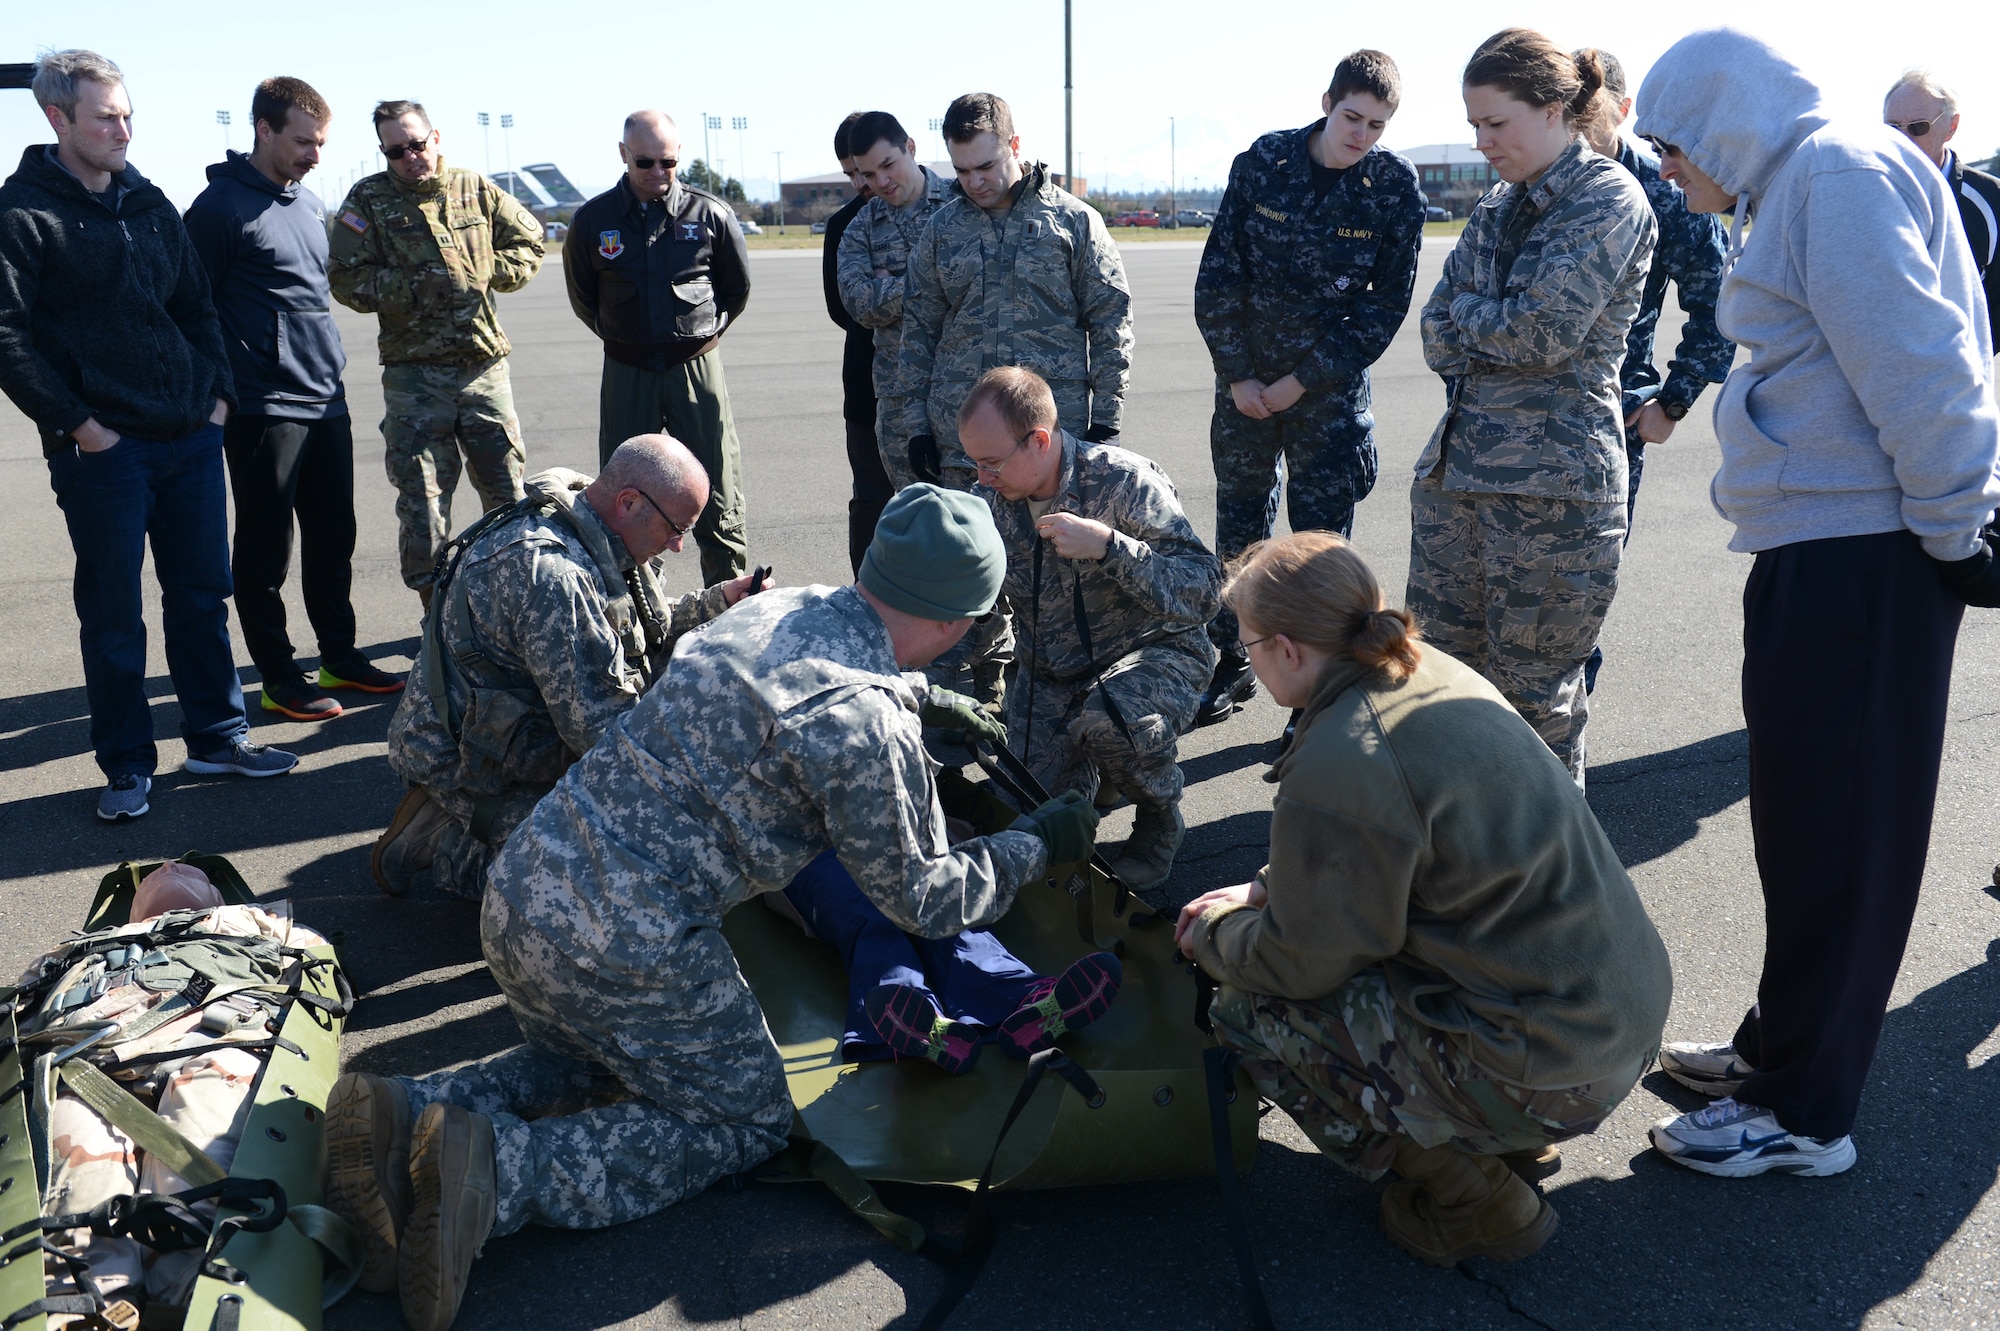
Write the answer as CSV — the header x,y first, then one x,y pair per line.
x,y
569,73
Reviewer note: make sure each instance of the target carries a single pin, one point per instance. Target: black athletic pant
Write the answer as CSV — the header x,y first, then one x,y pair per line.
x,y
279,468
1847,647
872,489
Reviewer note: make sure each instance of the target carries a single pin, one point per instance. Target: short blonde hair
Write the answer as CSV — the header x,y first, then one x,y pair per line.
x,y
1313,588
1021,397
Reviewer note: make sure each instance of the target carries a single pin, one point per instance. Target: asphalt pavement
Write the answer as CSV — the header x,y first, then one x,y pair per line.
x,y
1907,1238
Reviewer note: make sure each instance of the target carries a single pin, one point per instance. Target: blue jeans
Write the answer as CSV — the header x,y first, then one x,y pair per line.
x,y
972,977
172,491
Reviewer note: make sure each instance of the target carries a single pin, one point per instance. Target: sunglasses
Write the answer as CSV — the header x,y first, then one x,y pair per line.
x,y
418,146
1916,129
648,163
673,529
1663,148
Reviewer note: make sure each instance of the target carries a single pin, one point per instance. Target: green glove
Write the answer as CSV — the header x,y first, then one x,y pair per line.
x,y
1067,825
946,710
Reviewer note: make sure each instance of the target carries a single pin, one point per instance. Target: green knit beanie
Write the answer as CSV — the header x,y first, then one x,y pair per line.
x,y
936,555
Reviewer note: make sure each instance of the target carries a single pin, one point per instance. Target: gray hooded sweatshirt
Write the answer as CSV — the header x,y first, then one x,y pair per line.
x,y
1867,402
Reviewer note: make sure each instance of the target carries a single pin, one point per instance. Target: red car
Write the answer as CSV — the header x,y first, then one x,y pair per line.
x,y
1144,217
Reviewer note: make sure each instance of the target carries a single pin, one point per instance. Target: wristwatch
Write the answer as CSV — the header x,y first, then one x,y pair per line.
x,y
1674,410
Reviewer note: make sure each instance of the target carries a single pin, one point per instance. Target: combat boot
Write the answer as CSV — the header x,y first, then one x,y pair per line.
x,y
1148,856
409,844
1229,687
368,1168
1448,1205
454,1201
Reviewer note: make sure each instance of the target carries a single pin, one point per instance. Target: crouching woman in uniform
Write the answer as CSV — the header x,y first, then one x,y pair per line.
x,y
1443,969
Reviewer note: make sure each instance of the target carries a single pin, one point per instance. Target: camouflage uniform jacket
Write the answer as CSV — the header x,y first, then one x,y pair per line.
x,y
780,731
1693,252
557,652
1156,583
1040,286
1291,284
428,259
882,237
1528,324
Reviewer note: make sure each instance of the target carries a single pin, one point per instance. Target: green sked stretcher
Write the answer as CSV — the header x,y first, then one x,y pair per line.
x,y
273,1273
907,1122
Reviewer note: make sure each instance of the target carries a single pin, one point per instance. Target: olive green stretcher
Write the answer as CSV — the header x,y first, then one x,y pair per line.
x,y
272,1261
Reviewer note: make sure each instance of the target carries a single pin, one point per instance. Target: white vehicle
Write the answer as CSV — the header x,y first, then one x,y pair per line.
x,y
750,228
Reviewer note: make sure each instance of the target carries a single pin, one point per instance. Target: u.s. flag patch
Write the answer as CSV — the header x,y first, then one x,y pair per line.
x,y
609,245
354,222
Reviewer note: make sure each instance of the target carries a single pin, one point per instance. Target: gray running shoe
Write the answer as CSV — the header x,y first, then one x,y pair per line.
x,y
1734,1140
243,759
125,798
1712,1069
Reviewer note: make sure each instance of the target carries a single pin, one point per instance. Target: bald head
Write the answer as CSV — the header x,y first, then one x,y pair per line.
x,y
650,137
650,493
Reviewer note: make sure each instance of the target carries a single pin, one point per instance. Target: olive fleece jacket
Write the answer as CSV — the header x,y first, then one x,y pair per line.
x,y
1423,827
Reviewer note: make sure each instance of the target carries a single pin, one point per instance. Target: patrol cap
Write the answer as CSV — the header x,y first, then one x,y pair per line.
x,y
936,555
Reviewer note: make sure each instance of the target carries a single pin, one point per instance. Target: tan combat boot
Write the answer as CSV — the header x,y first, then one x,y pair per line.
x,y
1148,856
1449,1205
454,1202
408,845
368,1168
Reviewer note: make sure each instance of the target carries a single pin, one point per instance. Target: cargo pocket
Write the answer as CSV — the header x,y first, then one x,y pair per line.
x,y
1556,593
506,742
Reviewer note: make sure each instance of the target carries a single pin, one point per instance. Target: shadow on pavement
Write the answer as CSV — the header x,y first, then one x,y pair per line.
x,y
1654,804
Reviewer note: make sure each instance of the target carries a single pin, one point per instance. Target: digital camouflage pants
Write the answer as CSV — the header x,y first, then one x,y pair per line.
x,y
1517,587
434,416
463,854
1327,449
629,1095
1357,1073
1070,741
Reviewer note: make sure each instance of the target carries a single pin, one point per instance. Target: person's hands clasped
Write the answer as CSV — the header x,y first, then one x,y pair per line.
x,y
1248,394
1652,423
1243,894
1283,394
1067,825
945,710
1074,537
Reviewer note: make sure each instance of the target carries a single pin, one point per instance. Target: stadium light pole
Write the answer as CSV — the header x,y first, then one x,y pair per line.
x,y
222,119
741,123
781,191
709,122
1173,174
486,129
1069,122
937,128
507,144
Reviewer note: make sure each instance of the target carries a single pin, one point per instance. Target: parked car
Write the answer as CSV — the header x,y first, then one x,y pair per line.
x,y
555,231
1193,217
819,228
1140,217
1437,214
750,228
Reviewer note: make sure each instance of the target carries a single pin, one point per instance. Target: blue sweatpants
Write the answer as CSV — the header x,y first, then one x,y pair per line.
x,y
971,976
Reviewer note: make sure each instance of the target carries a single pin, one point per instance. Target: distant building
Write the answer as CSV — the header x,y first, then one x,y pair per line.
x,y
811,198
1452,175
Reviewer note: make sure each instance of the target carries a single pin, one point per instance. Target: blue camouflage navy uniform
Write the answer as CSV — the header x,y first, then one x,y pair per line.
x,y
1694,252
1294,284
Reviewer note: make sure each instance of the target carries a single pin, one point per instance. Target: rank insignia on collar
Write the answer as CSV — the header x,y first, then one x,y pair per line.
x,y
690,231
354,222
609,245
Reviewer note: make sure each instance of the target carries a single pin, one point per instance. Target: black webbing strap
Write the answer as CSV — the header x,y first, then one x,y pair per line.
x,y
978,1245
1035,638
1204,997
1096,669
1219,1068
77,1304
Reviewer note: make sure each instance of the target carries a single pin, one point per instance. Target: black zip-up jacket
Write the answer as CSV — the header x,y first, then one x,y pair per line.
x,y
104,311
661,282
264,247
857,358
1978,197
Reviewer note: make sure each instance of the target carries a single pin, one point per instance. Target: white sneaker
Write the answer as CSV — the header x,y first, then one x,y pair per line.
x,y
1713,1070
1735,1140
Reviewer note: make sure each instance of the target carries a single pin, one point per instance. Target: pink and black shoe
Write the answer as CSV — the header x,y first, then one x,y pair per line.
x,y
1057,1007
909,1022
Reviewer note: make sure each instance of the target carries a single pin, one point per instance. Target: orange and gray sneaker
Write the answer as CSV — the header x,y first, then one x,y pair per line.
x,y
360,676
297,698
454,1202
368,1168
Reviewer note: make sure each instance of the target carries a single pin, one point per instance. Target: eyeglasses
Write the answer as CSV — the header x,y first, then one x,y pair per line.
x,y
994,469
1916,129
394,152
648,163
1246,646
674,530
